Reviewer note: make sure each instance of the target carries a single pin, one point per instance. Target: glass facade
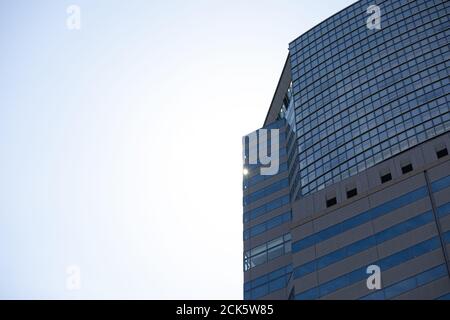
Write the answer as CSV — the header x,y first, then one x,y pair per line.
x,y
362,96
267,225
268,251
267,283
266,205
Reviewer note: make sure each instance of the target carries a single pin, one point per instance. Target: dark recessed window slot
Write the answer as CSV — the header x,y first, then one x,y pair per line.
x,y
385,178
442,153
407,168
352,193
331,202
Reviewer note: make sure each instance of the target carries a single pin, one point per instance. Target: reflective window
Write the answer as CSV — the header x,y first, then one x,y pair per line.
x,y
264,192
268,283
267,251
361,96
262,210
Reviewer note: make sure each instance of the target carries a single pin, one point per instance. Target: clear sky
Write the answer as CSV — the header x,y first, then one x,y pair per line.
x,y
120,143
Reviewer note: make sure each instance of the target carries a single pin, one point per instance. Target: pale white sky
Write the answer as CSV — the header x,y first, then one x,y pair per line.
x,y
120,143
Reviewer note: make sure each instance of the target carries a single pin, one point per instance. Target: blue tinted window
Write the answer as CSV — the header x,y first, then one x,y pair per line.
x,y
265,226
334,285
257,195
305,269
430,275
425,247
253,214
277,273
394,260
378,295
447,237
257,230
444,210
419,220
260,291
277,284
329,232
308,295
304,243
440,184
361,245
357,275
267,283
331,258
356,221
259,281
445,297
400,288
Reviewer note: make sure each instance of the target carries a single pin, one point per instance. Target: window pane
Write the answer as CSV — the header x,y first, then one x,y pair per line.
x,y
276,252
259,259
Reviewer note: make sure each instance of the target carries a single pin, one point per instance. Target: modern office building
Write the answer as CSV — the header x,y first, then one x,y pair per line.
x,y
362,114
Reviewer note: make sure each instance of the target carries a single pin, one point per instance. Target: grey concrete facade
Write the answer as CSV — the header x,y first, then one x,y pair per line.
x,y
311,216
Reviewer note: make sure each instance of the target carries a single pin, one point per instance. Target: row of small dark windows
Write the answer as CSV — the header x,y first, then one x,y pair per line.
x,y
386,177
353,192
